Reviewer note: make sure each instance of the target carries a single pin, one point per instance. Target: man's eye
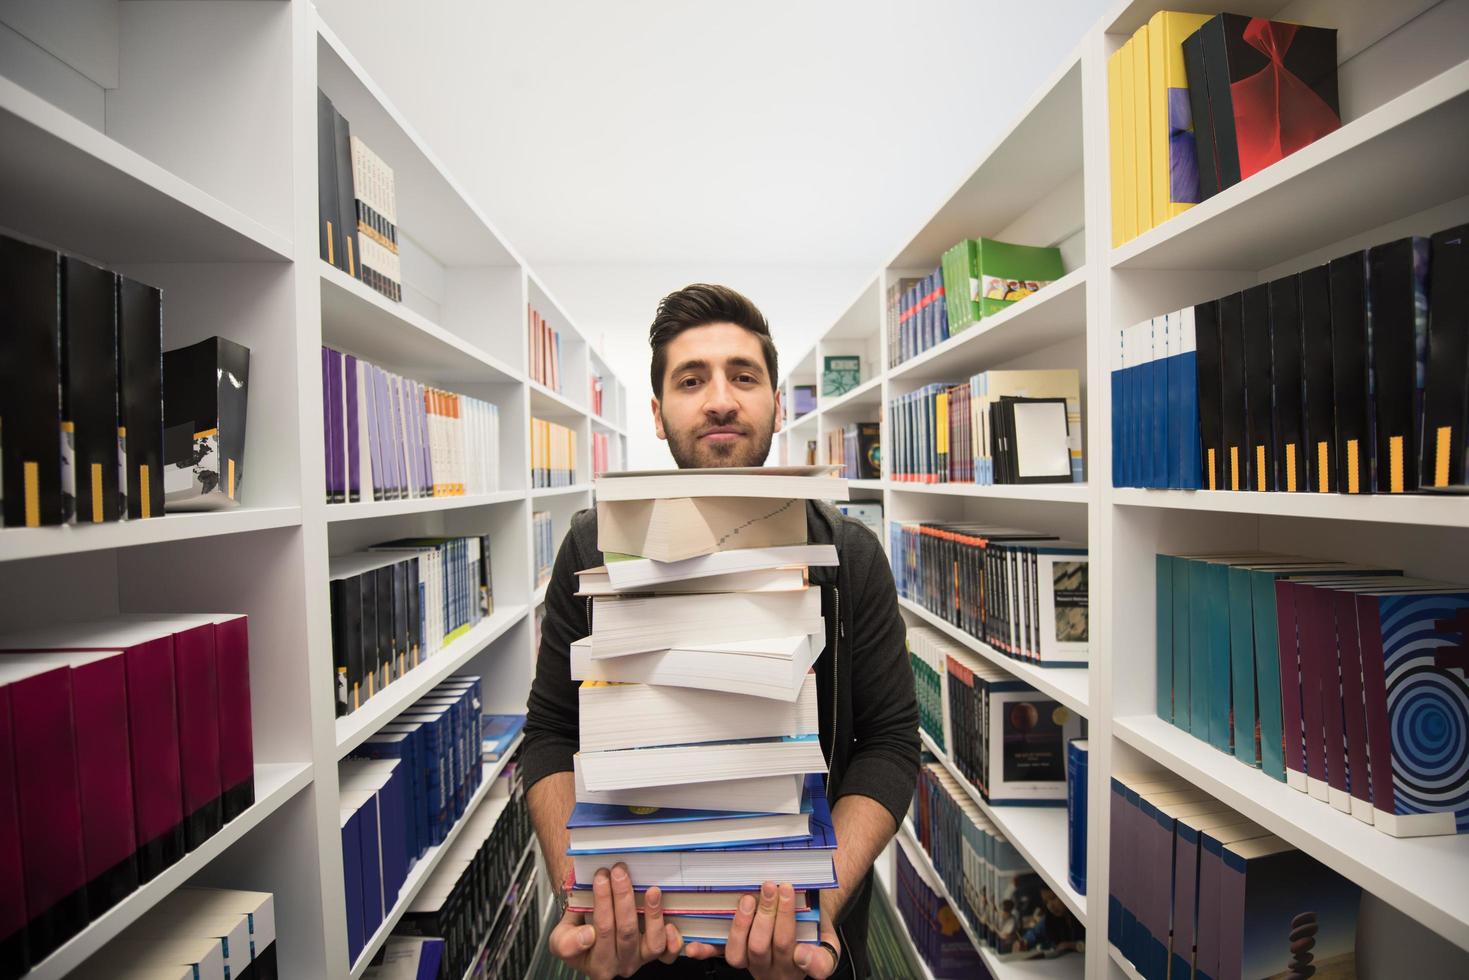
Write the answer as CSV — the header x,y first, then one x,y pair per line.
x,y
748,379
688,382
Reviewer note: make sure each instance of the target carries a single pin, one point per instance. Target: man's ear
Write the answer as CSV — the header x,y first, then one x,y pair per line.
x,y
779,414
657,418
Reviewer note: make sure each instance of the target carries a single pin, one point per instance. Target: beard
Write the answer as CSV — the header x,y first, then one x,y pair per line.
x,y
690,452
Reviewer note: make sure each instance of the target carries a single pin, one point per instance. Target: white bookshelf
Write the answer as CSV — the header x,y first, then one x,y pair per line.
x,y
1392,169
177,143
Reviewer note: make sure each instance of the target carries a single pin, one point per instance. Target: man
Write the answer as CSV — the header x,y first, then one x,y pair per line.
x,y
715,401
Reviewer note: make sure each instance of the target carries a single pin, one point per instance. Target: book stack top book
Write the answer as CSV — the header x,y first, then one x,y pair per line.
x,y
701,767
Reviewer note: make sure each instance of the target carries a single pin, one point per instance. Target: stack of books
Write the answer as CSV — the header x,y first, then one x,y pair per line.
x,y
357,200
1198,890
1347,377
545,350
701,765
857,447
933,923
1313,671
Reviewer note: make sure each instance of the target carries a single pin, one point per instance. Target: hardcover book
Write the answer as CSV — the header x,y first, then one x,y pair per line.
x,y
840,374
140,395
30,385
1446,393
90,444
205,394
1397,283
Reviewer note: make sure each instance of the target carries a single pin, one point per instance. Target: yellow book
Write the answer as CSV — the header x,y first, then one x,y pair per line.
x,y
1129,144
1168,101
1114,143
1141,127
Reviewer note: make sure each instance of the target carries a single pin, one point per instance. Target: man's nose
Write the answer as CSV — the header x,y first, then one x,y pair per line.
x,y
720,398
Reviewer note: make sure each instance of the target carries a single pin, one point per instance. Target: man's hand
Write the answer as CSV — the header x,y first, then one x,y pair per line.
x,y
612,945
762,939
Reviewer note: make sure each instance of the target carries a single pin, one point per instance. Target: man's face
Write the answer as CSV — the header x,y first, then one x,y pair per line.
x,y
718,407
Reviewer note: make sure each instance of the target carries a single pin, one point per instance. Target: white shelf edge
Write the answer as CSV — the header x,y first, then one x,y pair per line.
x,y
865,484
811,416
557,491
419,505
1015,315
1051,681
857,396
562,402
1423,876
1439,510
18,543
1058,493
602,422
275,783
1123,963
1020,831
379,710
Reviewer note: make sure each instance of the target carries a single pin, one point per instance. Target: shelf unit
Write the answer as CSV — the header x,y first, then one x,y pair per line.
x,y
176,143
1404,81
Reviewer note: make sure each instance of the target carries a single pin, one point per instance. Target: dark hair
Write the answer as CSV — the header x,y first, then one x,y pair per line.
x,y
699,305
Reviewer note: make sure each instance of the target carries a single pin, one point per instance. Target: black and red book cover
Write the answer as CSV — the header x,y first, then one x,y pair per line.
x,y
1446,389
1272,90
1397,346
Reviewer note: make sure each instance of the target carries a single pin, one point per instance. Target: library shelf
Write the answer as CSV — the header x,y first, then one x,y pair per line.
x,y
424,866
602,422
864,484
17,543
553,405
864,396
559,491
1055,314
1422,876
1439,510
1405,149
1056,493
362,321
275,783
1038,833
885,889
380,709
368,509
1123,964
73,186
529,852
1068,967
1067,685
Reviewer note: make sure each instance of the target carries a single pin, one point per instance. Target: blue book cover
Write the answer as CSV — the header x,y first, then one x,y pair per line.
x,y
1119,409
497,732
1076,815
352,880
372,868
1158,404
693,935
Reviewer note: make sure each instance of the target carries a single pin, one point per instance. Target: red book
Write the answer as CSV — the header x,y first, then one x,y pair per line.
x,y
14,949
1354,712
53,868
196,673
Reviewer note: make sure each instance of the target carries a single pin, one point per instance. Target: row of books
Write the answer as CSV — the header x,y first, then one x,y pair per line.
x,y
1012,910
543,536
515,941
92,432
552,454
388,437
601,453
545,350
889,949
399,603
997,427
1314,671
1198,102
471,898
194,934
402,790
929,663
932,923
1197,890
124,744
857,447
1022,592
357,201
869,512
804,400
1348,377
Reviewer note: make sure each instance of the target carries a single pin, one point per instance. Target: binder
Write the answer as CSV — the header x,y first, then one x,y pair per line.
x,y
1232,408
1446,394
1318,386
1398,348
89,392
1209,381
140,395
329,220
1259,441
1287,385
346,209
1353,409
30,384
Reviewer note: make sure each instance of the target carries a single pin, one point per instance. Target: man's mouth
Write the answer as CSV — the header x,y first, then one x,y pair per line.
x,y
722,433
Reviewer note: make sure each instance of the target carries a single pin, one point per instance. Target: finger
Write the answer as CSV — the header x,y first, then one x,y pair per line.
x,y
817,961
739,932
603,921
762,930
701,951
784,937
625,912
571,937
672,943
654,937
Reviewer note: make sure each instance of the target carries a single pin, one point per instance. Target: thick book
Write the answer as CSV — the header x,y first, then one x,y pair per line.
x,y
702,762
601,828
1352,396
1318,385
1446,389
1076,813
692,901
789,482
90,447
1397,285
329,220
1232,405
140,395
1259,437
674,528
766,794
1173,164
1202,114
30,385
766,668
715,929
346,202
1209,366
1287,385
790,578
638,624
617,715
204,412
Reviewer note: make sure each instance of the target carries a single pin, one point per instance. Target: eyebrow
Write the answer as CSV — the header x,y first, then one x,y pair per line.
x,y
699,364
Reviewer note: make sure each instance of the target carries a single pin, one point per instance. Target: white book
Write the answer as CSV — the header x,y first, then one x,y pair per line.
x,y
636,624
765,794
616,715
792,578
710,828
704,762
638,572
772,668
798,482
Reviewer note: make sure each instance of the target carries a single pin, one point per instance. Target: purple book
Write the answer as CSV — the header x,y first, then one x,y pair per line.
x,y
336,483
410,435
384,433
374,460
400,448
354,461
425,450
326,417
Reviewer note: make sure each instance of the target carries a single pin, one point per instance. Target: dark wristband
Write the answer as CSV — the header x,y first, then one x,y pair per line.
x,y
836,954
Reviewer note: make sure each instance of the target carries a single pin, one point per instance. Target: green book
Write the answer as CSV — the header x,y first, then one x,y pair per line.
x,y
1181,639
840,374
1165,637
983,277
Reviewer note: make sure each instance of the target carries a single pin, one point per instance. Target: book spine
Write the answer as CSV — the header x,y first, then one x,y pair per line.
x,y
196,670
1287,384
1350,382
89,389
352,425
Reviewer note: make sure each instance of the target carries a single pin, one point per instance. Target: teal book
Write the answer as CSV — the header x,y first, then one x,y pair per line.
x,y
1221,694
1181,639
1199,640
840,374
1164,660
1246,733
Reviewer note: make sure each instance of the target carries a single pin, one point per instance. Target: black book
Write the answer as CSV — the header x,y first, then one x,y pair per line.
x,y
387,636
1259,431
1214,39
1207,369
1318,400
1286,382
371,633
1203,116
1446,392
401,584
140,394
30,384
1232,393
869,459
346,198
205,393
329,221
1397,285
89,391
1353,406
